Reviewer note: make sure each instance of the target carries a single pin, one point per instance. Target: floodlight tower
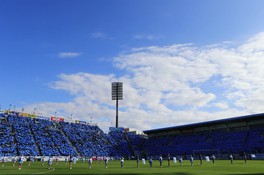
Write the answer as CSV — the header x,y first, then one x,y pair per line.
x,y
117,94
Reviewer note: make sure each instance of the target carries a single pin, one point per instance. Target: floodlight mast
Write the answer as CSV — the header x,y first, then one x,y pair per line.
x,y
117,94
117,107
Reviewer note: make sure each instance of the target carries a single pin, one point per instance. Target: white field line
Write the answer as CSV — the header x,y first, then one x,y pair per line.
x,y
44,172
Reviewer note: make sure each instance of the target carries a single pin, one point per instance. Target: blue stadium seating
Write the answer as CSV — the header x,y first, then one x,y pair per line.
x,y
27,136
121,142
226,142
7,143
23,136
88,140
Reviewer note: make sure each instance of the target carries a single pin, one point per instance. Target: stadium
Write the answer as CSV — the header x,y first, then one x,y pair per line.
x,y
191,71
37,139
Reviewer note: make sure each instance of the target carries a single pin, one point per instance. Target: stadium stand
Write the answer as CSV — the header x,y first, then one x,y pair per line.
x,y
89,140
136,141
7,146
23,136
223,137
31,136
122,144
50,139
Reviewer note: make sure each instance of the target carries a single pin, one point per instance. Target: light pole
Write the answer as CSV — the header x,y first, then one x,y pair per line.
x,y
70,118
117,94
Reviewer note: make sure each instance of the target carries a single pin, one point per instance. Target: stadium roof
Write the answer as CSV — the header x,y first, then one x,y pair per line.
x,y
207,123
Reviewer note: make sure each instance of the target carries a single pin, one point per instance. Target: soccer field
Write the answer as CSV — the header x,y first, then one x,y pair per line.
x,y
221,167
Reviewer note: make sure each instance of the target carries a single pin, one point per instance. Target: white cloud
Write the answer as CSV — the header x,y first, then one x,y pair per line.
x,y
191,97
68,54
171,85
221,105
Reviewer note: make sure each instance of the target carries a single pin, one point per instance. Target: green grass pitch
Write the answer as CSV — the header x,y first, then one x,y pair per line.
x,y
221,167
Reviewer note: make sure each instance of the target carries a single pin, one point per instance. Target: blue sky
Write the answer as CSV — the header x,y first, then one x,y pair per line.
x,y
181,61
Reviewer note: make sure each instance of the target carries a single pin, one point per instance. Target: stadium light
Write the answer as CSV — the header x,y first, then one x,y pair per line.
x,y
117,94
91,119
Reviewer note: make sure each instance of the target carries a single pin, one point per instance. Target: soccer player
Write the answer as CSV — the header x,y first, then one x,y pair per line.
x,y
180,160
74,159
42,160
20,162
70,162
14,161
31,159
169,159
137,159
201,159
90,161
3,161
49,162
122,162
231,158
56,160
150,162
106,162
213,158
160,160
28,160
191,160
245,157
